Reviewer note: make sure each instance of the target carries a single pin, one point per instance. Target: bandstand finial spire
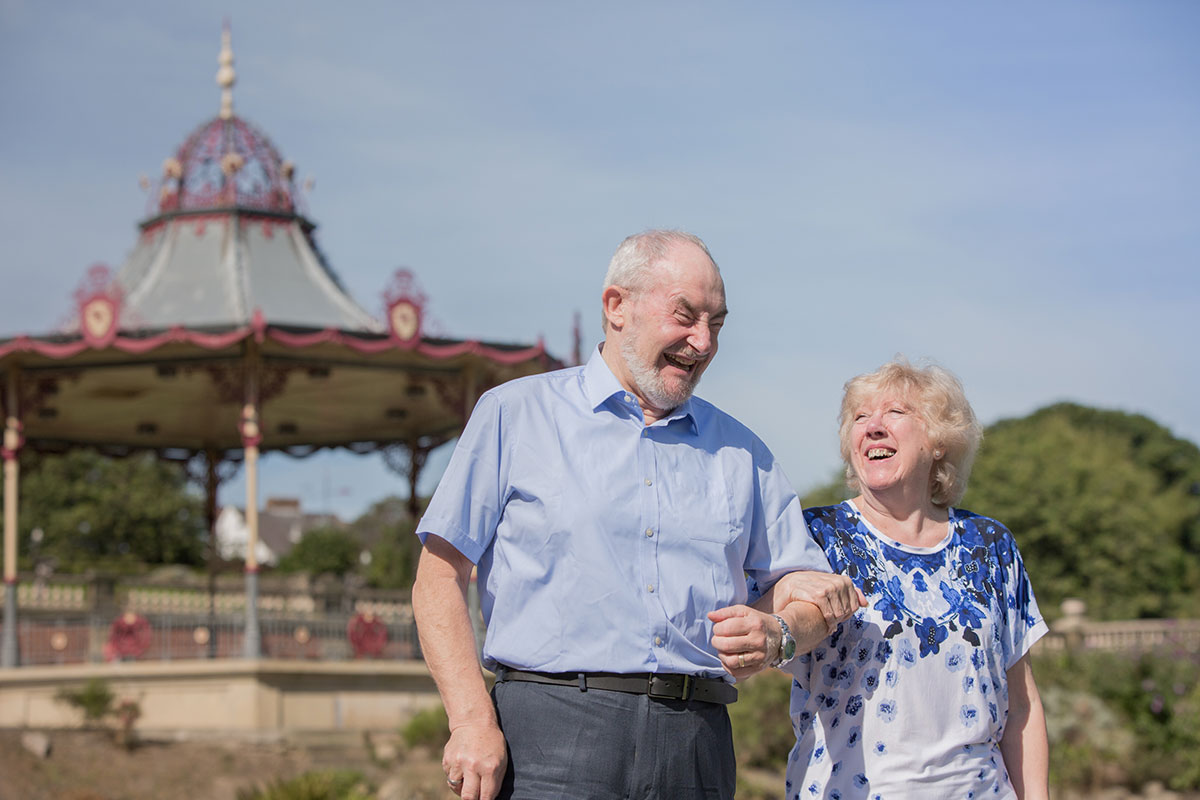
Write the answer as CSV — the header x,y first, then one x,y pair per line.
x,y
225,74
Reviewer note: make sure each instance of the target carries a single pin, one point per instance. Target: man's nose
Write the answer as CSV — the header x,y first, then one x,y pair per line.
x,y
701,340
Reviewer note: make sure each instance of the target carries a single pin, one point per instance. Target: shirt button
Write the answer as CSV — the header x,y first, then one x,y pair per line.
x,y
649,482
650,588
658,641
628,399
649,532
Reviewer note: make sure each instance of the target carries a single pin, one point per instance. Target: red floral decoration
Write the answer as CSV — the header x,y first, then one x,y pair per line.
x,y
128,637
367,634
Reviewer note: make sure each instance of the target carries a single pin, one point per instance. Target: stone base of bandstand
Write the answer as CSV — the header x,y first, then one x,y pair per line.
x,y
260,700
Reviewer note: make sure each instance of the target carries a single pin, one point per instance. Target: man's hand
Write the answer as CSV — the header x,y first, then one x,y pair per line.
x,y
746,640
476,757
474,761
835,595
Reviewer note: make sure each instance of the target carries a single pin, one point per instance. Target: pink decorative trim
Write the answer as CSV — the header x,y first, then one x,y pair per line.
x,y
176,335
438,351
262,331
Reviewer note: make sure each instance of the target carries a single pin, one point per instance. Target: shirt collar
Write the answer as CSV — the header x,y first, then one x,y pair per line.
x,y
600,384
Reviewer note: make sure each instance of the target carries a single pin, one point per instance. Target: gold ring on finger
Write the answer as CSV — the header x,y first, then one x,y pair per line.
x,y
742,660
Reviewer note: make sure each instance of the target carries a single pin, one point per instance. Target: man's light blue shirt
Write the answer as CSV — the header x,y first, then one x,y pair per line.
x,y
601,542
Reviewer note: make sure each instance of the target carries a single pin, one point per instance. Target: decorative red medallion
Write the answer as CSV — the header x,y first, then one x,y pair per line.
x,y
405,305
128,637
367,634
99,316
404,318
98,299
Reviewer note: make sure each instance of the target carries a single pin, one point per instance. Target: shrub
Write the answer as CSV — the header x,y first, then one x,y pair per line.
x,y
97,702
1154,696
762,728
333,784
429,728
1087,741
94,699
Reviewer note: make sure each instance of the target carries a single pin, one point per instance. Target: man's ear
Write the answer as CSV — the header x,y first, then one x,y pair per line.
x,y
616,306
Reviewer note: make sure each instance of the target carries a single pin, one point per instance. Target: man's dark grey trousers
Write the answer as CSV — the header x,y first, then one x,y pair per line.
x,y
565,744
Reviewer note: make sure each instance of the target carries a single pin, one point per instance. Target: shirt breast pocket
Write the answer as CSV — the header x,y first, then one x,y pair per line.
x,y
697,499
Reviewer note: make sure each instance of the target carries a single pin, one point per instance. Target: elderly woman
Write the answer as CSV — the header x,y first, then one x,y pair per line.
x,y
926,692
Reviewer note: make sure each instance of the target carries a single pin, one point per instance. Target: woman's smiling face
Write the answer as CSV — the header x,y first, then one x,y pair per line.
x,y
890,446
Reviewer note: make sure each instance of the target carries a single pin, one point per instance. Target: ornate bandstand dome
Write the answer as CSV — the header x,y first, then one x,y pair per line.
x,y
225,237
227,163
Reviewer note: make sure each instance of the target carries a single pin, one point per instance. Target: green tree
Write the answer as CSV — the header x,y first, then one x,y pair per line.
x,y
828,494
110,513
387,530
323,550
394,559
1104,505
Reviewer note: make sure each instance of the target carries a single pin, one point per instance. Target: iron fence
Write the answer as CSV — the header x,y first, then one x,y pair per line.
x,y
77,639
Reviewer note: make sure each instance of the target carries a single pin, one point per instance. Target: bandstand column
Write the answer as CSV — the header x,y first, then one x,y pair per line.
x,y
211,484
12,443
250,442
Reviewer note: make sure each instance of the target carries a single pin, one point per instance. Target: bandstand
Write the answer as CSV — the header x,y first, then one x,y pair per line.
x,y
226,334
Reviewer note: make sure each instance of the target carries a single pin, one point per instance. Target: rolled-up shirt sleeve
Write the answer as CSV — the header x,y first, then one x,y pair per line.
x,y
466,507
779,542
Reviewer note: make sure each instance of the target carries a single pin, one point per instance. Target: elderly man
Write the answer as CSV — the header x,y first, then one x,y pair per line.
x,y
615,521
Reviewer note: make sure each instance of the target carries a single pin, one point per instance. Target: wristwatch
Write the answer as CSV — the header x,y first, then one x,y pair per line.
x,y
787,645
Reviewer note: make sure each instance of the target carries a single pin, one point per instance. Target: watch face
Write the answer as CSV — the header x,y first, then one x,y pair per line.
x,y
788,648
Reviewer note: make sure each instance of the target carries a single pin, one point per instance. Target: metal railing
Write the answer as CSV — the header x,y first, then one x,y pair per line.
x,y
73,620
78,639
1124,635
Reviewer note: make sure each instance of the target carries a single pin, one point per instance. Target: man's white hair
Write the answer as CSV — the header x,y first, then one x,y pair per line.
x,y
631,266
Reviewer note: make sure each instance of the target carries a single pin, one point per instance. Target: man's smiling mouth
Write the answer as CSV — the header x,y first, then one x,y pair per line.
x,y
680,362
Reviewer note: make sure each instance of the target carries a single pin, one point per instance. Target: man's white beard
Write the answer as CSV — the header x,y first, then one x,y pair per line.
x,y
649,381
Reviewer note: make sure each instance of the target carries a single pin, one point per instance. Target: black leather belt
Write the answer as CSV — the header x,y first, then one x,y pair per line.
x,y
664,687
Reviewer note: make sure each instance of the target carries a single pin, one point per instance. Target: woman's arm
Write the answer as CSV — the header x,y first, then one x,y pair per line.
x,y
1024,746
834,595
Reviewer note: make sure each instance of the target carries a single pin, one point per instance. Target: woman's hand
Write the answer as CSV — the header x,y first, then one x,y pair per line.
x,y
835,595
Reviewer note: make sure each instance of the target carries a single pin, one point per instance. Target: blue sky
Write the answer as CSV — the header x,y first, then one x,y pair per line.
x,y
1011,189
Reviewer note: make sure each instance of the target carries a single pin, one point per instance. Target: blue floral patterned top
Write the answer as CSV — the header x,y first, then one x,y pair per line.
x,y
908,698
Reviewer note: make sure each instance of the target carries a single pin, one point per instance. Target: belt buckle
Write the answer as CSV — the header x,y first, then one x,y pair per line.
x,y
689,686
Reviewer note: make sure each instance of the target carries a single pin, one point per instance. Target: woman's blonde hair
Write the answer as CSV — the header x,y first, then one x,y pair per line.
x,y
937,397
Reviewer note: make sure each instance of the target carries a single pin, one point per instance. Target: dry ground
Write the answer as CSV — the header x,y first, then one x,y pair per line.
x,y
88,765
